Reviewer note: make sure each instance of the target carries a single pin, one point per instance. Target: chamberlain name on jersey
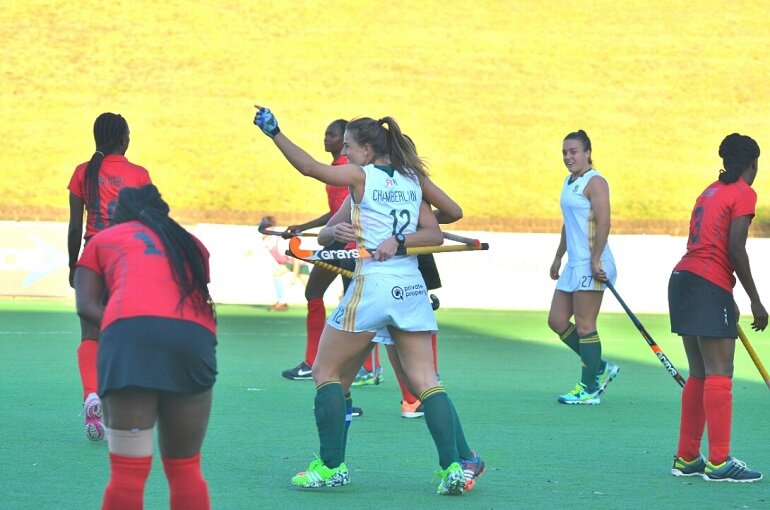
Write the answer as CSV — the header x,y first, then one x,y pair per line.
x,y
579,220
392,196
390,205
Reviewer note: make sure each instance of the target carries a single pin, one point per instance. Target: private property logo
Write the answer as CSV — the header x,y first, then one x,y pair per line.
x,y
408,291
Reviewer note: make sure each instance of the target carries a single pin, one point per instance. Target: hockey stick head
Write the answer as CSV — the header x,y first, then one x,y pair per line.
x,y
325,255
264,227
265,223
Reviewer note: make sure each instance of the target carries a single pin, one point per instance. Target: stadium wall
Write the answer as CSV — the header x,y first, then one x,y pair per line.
x,y
513,274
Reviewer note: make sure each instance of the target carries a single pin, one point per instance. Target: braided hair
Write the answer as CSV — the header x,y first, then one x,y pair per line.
x,y
389,141
582,137
188,265
737,152
109,132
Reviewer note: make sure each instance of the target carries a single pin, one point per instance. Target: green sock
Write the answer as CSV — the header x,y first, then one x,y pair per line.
x,y
591,355
330,420
440,420
570,337
462,445
348,421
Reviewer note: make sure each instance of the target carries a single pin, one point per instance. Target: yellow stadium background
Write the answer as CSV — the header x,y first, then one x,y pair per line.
x,y
486,89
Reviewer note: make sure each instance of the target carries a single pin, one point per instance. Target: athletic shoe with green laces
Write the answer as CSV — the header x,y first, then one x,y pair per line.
x,y
579,395
731,470
318,475
693,467
606,376
451,480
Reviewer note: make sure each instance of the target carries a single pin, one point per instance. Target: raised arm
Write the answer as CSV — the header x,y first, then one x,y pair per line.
x,y
341,175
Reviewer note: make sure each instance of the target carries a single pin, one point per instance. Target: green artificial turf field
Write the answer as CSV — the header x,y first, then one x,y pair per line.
x,y
502,369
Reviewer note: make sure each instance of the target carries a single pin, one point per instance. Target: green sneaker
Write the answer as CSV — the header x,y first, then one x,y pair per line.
x,y
579,395
452,480
731,470
606,376
694,467
364,377
318,475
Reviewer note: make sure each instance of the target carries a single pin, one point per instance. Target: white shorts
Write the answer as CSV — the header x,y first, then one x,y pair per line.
x,y
375,301
578,277
383,337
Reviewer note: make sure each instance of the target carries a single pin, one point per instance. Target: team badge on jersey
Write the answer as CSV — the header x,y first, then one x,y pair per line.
x,y
390,182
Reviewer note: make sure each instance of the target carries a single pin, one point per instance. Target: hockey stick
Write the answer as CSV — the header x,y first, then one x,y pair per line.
x,y
434,302
461,239
754,356
264,229
363,253
655,347
345,273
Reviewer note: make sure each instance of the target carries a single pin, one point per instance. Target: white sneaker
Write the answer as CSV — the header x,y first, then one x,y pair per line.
x,y
92,409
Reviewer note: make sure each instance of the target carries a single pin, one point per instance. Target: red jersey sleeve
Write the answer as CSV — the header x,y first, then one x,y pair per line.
x,y
76,181
745,203
90,259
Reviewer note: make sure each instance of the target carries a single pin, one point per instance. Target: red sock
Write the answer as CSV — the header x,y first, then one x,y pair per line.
x,y
316,319
88,353
125,491
693,419
718,403
433,341
406,395
373,360
187,487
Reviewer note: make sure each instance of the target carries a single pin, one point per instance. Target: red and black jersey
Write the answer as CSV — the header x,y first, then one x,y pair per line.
x,y
138,277
337,194
115,174
707,247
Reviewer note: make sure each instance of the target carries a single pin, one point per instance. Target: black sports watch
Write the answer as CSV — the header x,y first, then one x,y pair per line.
x,y
400,239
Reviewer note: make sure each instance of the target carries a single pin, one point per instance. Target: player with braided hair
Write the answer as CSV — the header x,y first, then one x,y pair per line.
x,y
703,312
94,188
157,359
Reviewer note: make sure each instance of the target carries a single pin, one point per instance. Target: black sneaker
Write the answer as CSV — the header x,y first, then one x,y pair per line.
x,y
731,470
301,372
357,411
695,467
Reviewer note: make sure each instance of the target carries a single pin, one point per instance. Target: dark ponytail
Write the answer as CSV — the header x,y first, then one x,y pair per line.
x,y
188,265
737,152
109,131
582,137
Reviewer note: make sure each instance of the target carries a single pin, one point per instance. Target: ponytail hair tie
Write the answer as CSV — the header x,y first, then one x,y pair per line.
x,y
100,152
